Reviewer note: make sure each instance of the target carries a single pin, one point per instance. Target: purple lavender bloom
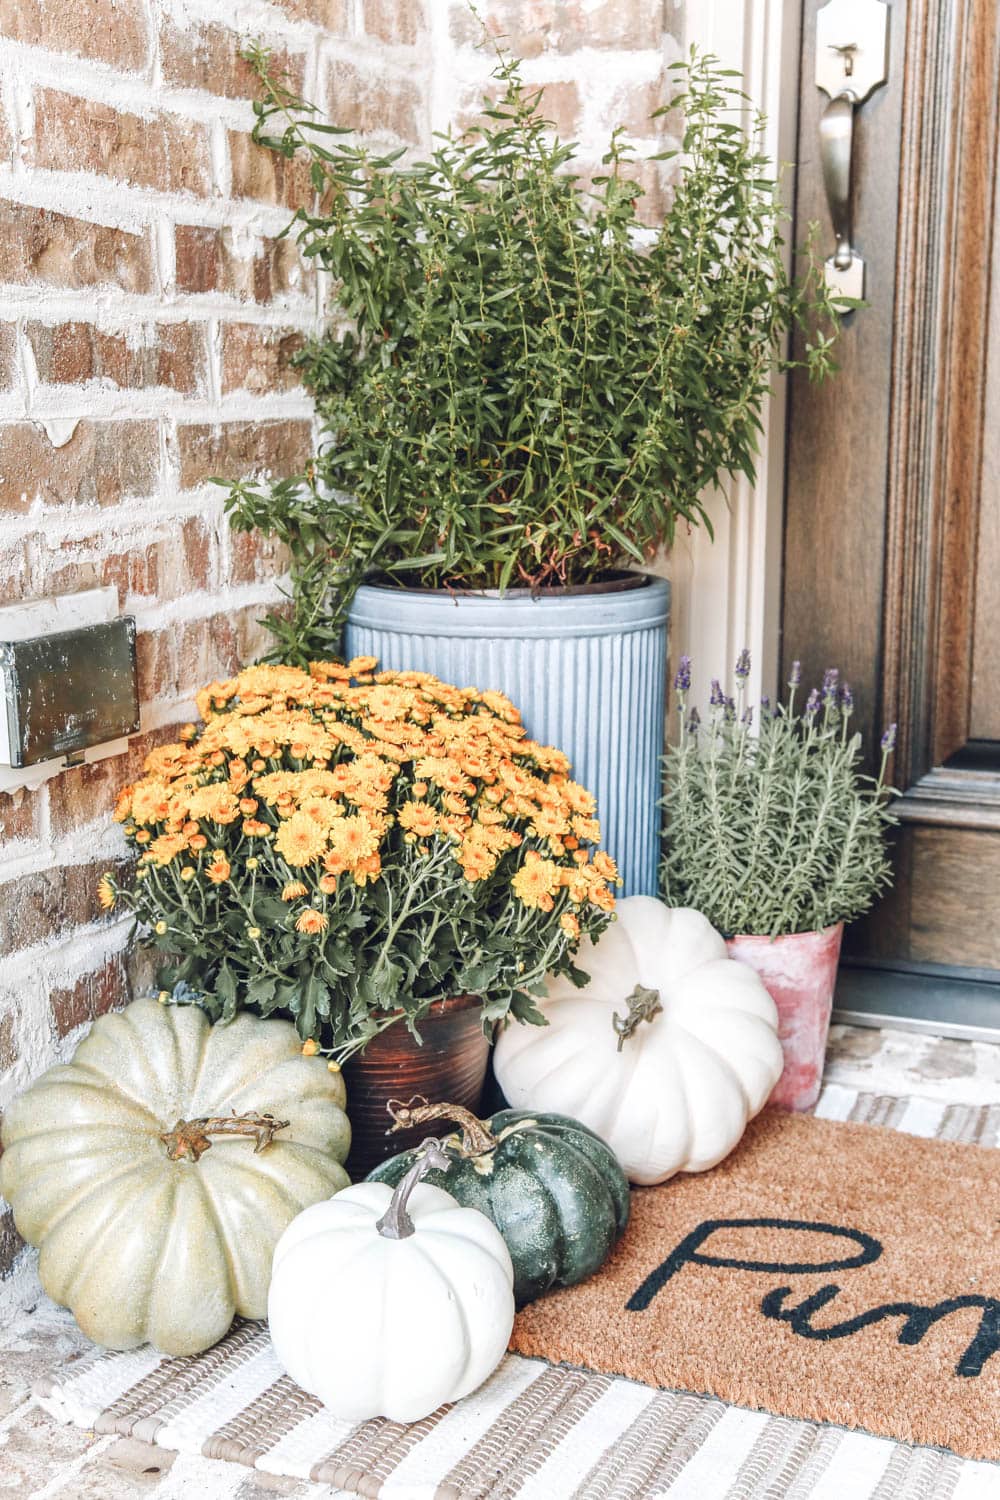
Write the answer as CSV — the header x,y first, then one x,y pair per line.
x,y
847,698
889,739
682,682
812,704
747,716
729,708
795,676
694,721
716,697
743,665
830,679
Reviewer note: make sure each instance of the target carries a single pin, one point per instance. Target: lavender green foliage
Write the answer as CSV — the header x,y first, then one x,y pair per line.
x,y
771,827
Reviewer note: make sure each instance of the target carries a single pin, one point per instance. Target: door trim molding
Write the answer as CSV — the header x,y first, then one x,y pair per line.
x,y
727,592
947,171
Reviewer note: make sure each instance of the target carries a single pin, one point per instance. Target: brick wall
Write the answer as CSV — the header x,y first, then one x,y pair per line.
x,y
148,311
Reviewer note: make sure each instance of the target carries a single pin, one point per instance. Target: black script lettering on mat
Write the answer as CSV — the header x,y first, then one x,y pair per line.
x,y
918,1317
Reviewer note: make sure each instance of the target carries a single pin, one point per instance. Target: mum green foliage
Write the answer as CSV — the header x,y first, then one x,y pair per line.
x,y
777,831
533,389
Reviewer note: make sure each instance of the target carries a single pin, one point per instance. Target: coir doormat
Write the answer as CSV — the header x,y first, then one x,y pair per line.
x,y
834,1272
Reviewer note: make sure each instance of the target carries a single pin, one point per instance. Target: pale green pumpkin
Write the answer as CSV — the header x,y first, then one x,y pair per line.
x,y
155,1211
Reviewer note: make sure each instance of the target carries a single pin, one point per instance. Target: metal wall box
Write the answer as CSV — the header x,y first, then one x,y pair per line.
x,y
69,691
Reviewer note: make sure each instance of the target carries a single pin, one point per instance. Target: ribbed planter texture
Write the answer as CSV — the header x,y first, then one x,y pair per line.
x,y
448,1063
586,669
800,974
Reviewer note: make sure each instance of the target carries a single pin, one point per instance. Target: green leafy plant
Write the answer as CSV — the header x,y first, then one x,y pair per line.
x,y
533,388
774,831
344,848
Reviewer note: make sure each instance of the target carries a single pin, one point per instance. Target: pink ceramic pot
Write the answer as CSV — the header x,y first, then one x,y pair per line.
x,y
800,972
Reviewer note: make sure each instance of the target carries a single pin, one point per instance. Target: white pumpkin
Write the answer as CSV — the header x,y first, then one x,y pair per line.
x,y
666,1053
156,1210
389,1303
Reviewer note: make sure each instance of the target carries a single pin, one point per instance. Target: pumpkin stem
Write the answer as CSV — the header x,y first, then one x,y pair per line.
x,y
395,1223
477,1138
643,1005
189,1139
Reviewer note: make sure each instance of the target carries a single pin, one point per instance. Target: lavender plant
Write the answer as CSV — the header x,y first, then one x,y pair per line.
x,y
773,829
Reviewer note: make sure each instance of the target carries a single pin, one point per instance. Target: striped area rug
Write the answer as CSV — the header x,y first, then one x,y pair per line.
x,y
534,1431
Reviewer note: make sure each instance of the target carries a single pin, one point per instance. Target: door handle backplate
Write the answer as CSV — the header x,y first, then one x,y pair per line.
x,y
852,60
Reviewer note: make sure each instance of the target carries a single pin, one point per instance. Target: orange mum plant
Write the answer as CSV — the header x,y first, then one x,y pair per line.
x,y
344,847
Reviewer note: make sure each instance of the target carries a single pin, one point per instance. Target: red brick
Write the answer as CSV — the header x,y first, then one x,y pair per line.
x,y
169,354
258,359
112,31
156,660
375,104
330,14
37,245
253,558
394,21
18,818
530,27
206,56
102,463
8,356
237,450
14,570
207,262
82,135
264,175
169,567
49,904
90,996
198,553
208,650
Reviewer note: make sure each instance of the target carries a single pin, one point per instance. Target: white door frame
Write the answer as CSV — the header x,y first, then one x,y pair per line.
x,y
727,593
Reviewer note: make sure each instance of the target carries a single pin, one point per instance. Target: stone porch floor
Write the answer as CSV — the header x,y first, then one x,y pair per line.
x,y
40,1458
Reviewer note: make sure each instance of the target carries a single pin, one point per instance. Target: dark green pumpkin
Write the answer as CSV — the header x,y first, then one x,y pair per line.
x,y
552,1187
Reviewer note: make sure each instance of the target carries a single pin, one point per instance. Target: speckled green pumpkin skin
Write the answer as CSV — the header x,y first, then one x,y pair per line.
x,y
552,1187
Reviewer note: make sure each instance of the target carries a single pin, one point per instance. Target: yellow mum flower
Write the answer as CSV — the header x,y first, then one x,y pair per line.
x,y
293,890
354,839
569,924
106,896
536,882
418,818
312,921
300,840
218,871
164,849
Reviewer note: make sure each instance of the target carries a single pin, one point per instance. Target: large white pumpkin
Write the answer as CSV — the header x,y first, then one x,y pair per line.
x,y
150,1233
389,1303
699,1055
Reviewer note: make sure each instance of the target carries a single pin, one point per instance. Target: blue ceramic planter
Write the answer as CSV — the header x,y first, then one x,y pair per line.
x,y
587,671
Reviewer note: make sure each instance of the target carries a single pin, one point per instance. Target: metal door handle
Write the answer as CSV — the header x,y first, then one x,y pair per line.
x,y
852,52
836,142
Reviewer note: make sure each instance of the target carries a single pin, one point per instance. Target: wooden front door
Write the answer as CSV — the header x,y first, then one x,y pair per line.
x,y
892,533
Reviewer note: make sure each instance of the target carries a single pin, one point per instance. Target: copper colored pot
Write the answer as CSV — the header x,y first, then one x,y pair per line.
x,y
450,1064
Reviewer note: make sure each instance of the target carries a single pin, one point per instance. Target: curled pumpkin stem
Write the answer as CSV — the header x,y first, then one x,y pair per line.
x,y
189,1139
477,1138
395,1223
643,1005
